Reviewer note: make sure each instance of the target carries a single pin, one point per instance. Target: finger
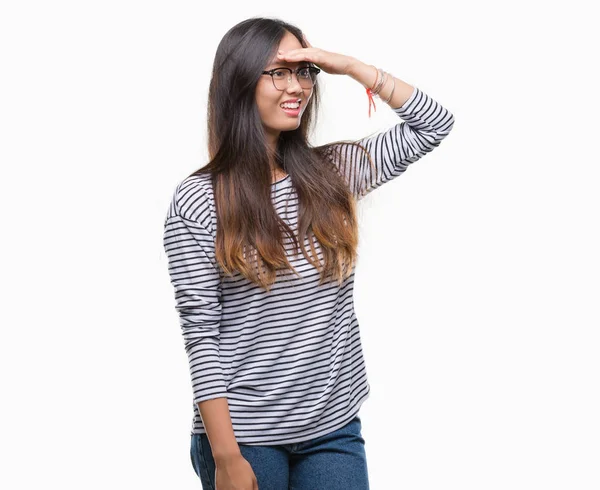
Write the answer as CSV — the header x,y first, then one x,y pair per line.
x,y
302,52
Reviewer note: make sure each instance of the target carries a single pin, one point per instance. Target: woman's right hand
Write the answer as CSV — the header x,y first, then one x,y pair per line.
x,y
235,473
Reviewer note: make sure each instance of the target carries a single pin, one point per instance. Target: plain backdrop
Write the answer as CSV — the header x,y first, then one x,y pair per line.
x,y
477,287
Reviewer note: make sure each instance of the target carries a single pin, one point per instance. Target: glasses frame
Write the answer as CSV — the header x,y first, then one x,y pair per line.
x,y
311,68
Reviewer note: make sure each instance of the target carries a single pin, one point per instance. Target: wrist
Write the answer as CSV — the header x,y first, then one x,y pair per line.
x,y
226,456
362,73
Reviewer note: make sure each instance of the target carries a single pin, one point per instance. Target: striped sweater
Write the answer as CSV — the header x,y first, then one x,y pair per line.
x,y
289,361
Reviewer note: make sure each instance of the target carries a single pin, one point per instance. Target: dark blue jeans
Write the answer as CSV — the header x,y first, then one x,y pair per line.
x,y
335,461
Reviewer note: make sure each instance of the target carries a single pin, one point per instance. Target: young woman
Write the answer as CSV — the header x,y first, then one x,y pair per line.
x,y
261,244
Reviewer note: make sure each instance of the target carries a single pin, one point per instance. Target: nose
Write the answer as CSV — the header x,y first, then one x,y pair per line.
x,y
294,86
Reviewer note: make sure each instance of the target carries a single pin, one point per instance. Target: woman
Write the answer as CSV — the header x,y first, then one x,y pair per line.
x,y
262,246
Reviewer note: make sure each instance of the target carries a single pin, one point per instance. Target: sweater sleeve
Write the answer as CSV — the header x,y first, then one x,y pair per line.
x,y
426,123
197,285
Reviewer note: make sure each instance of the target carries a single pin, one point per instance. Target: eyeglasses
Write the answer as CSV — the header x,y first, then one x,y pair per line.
x,y
282,77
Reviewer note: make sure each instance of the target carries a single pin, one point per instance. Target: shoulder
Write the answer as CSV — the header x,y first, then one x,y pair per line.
x,y
193,199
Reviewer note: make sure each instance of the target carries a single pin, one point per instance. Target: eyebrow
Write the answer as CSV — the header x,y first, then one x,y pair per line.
x,y
279,63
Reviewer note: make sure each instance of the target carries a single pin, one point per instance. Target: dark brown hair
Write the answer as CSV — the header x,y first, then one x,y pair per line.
x,y
249,231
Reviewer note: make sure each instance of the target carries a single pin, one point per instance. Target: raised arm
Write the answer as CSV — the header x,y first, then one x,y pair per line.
x,y
388,154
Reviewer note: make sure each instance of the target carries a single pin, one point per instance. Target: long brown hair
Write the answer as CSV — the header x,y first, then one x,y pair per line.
x,y
249,231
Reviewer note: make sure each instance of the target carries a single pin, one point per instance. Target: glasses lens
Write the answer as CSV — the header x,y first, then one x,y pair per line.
x,y
306,77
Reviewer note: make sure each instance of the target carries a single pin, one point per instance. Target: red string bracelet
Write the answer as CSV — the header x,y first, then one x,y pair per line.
x,y
376,87
380,80
371,101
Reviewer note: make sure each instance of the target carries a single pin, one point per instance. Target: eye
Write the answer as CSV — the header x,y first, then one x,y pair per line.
x,y
279,73
304,72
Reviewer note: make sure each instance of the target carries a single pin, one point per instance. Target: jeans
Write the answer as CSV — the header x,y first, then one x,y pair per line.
x,y
335,461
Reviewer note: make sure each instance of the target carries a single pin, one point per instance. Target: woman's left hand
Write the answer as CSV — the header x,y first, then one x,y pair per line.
x,y
332,63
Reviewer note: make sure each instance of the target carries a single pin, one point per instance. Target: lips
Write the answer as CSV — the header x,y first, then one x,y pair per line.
x,y
291,112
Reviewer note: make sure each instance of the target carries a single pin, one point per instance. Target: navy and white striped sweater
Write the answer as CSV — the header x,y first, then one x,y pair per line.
x,y
289,361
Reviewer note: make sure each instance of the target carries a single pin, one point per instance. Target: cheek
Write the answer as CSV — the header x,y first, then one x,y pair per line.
x,y
266,99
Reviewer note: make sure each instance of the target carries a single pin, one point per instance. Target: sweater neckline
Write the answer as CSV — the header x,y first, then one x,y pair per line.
x,y
280,180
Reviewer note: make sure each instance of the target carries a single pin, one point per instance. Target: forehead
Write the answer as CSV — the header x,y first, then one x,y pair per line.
x,y
287,43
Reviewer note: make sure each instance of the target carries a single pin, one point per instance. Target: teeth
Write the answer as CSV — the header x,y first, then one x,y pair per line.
x,y
291,105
